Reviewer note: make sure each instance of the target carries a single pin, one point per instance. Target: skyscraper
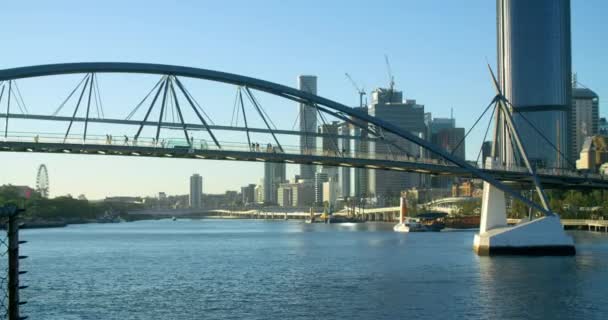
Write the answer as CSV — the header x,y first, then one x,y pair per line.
x,y
274,175
444,134
308,123
360,148
534,67
388,105
196,191
584,117
486,151
344,173
451,139
603,126
320,178
438,124
248,193
330,146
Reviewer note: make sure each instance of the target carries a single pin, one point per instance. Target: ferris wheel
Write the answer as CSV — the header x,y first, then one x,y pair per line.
x,y
42,181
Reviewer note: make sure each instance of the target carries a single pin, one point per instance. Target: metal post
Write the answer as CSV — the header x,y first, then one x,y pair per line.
x,y
13,267
240,98
8,107
162,108
198,114
257,107
86,119
181,117
12,231
76,109
141,126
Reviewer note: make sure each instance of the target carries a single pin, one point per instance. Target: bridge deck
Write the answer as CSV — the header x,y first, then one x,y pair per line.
x,y
243,152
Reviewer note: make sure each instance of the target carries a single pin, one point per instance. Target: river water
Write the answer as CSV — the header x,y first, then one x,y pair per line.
x,y
255,269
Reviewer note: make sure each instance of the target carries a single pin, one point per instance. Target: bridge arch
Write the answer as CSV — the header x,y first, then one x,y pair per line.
x,y
318,102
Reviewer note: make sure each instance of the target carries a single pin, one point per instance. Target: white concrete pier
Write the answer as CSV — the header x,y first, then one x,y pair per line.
x,y
544,236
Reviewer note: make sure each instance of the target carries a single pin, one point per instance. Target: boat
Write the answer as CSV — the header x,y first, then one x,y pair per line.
x,y
433,221
422,223
410,225
173,218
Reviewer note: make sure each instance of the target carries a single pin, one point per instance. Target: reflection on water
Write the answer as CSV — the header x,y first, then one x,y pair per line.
x,y
235,269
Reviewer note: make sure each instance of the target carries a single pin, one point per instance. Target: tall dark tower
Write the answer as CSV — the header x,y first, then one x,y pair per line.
x,y
534,70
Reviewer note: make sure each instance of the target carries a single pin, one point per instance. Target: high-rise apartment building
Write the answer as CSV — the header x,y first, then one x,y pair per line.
x,y
388,105
330,145
486,151
196,191
360,148
584,117
248,194
534,68
602,126
320,178
296,193
308,123
344,173
274,175
443,133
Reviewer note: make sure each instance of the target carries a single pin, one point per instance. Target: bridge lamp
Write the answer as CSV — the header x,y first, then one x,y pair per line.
x,y
371,166
135,153
346,164
200,157
397,168
67,151
289,161
317,162
168,155
29,149
101,152
259,159
231,158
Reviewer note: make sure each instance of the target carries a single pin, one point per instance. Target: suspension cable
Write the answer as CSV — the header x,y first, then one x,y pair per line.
x,y
98,96
132,113
2,92
234,105
70,95
485,136
191,97
542,135
16,98
21,98
257,107
474,124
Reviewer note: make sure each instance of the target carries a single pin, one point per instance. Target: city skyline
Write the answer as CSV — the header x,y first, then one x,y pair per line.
x,y
440,81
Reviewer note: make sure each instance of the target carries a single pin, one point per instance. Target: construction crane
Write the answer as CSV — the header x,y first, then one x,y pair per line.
x,y
391,79
360,91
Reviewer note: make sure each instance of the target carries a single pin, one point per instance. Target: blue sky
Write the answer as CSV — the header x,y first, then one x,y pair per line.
x,y
438,50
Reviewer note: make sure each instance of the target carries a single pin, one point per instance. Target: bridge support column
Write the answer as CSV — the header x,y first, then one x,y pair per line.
x,y
544,236
493,209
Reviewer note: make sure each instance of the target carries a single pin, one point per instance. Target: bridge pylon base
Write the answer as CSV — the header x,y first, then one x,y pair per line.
x,y
540,237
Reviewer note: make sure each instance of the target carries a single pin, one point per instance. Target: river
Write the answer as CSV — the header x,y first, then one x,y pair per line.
x,y
255,269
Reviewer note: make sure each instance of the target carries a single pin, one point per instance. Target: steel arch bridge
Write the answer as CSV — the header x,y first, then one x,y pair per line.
x,y
169,87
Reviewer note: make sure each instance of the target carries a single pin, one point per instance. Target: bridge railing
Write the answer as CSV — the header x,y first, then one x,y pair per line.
x,y
169,143
203,144
550,171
